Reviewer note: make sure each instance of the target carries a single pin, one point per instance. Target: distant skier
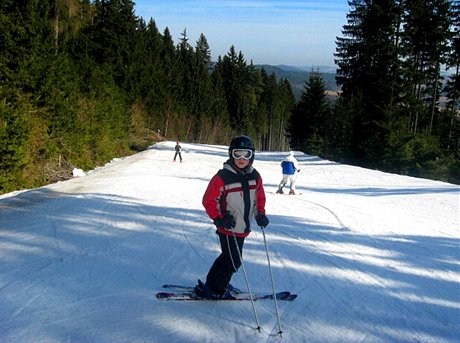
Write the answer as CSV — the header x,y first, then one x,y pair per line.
x,y
234,196
178,149
290,168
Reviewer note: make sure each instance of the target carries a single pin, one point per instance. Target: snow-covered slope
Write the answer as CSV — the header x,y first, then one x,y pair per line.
x,y
374,257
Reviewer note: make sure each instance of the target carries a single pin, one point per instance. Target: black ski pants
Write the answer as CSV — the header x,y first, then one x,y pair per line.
x,y
225,264
180,155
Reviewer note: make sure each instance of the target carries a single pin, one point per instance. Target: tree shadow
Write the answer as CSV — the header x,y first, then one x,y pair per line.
x,y
387,288
84,267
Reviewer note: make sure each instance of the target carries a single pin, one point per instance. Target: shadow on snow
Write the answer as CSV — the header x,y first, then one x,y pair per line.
x,y
78,251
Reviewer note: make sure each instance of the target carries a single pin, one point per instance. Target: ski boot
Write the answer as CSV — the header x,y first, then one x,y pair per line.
x,y
233,289
280,191
203,291
291,192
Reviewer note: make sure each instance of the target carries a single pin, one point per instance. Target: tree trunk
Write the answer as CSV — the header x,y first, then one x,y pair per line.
x,y
56,26
435,96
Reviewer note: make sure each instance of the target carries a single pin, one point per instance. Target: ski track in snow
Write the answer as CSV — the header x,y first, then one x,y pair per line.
x,y
374,257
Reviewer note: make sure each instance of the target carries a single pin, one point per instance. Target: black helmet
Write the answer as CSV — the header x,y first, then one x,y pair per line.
x,y
241,142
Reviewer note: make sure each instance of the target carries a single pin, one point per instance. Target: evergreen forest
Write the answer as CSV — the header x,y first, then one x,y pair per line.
x,y
398,110
82,82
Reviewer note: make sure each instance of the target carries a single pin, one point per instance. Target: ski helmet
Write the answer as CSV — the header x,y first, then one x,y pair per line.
x,y
241,142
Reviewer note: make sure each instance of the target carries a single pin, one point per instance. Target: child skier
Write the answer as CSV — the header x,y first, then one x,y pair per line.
x,y
290,168
233,197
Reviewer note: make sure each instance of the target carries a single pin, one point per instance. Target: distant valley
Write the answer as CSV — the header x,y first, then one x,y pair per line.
x,y
298,75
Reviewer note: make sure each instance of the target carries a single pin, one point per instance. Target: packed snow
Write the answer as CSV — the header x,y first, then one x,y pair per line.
x,y
373,257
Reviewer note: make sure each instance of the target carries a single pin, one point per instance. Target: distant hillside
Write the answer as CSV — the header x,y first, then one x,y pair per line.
x,y
298,75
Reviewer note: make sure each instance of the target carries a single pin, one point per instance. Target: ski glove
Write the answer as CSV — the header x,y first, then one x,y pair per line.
x,y
227,222
262,220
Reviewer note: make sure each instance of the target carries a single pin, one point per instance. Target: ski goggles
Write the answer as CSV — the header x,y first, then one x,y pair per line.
x,y
242,153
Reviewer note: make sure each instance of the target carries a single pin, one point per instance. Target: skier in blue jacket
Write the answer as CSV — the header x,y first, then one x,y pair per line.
x,y
290,168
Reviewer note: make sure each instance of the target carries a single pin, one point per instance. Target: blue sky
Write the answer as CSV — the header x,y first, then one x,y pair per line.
x,y
298,33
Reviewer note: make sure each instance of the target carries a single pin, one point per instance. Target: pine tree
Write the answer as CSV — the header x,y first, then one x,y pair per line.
x,y
266,109
308,125
14,134
424,45
368,73
452,88
25,58
170,87
151,81
185,55
220,118
232,74
202,90
284,109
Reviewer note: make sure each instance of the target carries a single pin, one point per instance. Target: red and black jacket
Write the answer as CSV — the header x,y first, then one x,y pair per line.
x,y
241,193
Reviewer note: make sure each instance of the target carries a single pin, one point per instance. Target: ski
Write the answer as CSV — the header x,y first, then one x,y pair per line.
x,y
191,289
191,296
178,287
285,193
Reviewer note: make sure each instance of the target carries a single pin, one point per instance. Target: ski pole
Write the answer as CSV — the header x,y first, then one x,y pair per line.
x,y
280,332
246,279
